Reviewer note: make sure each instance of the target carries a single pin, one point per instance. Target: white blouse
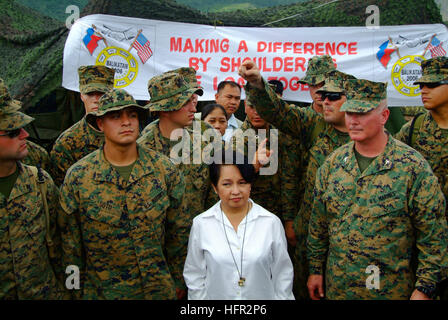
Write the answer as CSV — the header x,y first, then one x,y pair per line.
x,y
210,271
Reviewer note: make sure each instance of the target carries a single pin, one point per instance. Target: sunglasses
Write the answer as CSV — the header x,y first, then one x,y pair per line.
x,y
12,133
332,96
432,85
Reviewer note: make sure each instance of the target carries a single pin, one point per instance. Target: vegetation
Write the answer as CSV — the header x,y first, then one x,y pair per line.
x,y
53,8
228,5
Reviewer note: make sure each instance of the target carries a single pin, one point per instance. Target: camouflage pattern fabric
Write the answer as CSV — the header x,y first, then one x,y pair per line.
x,y
129,238
434,70
170,91
318,66
199,194
115,100
37,156
375,218
276,193
327,141
433,145
28,267
364,95
95,78
73,144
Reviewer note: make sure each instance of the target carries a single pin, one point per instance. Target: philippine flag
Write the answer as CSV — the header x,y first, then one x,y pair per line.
x,y
91,40
384,53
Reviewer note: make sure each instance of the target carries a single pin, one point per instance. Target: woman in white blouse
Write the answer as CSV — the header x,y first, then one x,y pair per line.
x,y
237,249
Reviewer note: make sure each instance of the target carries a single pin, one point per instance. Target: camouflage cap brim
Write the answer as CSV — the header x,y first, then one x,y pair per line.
x,y
359,106
93,87
331,87
92,116
432,78
11,119
175,102
312,80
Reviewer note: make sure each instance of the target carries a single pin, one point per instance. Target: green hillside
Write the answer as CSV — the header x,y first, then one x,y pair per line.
x,y
219,5
53,8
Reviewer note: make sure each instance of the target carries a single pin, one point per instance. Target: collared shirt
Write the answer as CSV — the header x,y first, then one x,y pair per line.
x,y
232,124
210,271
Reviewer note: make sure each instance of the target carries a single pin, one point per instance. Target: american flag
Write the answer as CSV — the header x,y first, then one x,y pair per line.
x,y
141,44
436,48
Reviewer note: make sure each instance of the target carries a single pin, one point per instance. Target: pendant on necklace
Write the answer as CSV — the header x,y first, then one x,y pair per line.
x,y
241,281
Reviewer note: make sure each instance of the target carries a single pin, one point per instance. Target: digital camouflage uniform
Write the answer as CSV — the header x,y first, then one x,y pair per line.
x,y
28,263
328,140
390,217
37,156
80,139
276,193
127,237
169,92
431,142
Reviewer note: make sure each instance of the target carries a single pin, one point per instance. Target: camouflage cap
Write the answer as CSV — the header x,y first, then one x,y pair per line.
x,y
364,95
114,100
318,66
434,70
189,75
10,116
170,91
95,78
335,81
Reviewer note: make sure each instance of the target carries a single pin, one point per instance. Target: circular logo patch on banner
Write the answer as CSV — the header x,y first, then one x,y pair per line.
x,y
124,64
404,72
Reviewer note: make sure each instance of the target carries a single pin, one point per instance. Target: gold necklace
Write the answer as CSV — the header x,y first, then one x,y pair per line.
x,y
241,280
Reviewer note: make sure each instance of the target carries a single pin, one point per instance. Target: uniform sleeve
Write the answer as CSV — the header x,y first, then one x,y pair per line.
x,y
427,205
61,161
177,226
195,267
282,270
317,242
70,228
292,120
290,178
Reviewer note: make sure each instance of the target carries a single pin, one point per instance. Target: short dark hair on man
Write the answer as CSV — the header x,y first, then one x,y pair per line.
x,y
233,157
278,86
206,110
222,84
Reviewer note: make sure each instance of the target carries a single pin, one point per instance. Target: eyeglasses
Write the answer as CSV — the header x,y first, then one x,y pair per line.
x,y
12,133
332,96
432,85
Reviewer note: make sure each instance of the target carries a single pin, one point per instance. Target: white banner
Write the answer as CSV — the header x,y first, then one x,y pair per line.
x,y
139,49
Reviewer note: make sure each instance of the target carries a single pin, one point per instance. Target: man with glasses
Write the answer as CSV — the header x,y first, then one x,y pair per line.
x,y
81,139
377,227
29,243
428,134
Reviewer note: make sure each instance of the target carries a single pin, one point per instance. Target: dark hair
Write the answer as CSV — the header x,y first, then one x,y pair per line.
x,y
206,110
222,84
278,86
232,157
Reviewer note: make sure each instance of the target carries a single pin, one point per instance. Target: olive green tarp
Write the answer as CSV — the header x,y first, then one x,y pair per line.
x,y
32,43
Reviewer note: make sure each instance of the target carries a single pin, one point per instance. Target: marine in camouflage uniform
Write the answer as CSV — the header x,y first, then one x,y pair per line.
x,y
328,140
172,92
317,67
269,190
128,235
29,257
388,216
81,139
431,140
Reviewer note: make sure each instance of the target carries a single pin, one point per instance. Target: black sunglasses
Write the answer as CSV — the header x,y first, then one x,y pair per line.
x,y
12,133
432,85
332,96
